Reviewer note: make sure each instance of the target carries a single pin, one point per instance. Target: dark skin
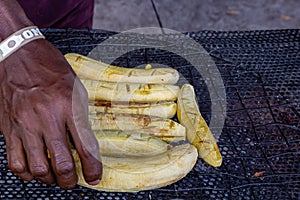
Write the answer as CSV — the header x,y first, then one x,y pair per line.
x,y
37,94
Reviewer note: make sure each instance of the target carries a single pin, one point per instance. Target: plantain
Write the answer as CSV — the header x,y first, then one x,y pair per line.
x,y
131,174
130,92
89,68
160,109
165,129
128,143
198,133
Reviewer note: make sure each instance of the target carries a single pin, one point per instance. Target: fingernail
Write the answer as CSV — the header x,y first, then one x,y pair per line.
x,y
94,182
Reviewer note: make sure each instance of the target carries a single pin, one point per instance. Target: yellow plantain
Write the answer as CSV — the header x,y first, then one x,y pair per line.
x,y
160,109
143,173
89,68
165,129
126,143
198,133
130,92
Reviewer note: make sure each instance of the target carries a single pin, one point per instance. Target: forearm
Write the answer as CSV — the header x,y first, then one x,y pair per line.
x,y
12,18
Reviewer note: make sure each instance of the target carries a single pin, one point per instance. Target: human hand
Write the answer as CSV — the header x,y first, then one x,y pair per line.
x,y
40,104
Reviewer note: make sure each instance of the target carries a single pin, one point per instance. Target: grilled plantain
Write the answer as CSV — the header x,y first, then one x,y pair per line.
x,y
159,109
127,143
133,174
89,68
198,132
130,92
166,129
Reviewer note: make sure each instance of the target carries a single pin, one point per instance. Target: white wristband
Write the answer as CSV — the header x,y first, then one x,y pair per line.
x,y
18,39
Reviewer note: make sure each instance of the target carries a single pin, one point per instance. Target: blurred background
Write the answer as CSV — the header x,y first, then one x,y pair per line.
x,y
196,15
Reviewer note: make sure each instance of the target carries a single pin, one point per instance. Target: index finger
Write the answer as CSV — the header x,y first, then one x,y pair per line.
x,y
83,137
88,150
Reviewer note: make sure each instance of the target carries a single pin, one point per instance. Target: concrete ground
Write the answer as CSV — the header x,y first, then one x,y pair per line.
x,y
196,15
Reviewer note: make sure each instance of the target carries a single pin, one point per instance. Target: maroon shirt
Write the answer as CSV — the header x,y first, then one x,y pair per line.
x,y
59,13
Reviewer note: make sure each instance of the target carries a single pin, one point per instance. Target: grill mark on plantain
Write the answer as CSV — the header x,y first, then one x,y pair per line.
x,y
172,125
130,73
107,87
127,88
78,58
153,72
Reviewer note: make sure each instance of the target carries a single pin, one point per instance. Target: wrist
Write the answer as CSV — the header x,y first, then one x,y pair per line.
x,y
17,40
12,18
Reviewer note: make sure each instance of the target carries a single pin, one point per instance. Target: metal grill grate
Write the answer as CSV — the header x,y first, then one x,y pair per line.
x,y
261,73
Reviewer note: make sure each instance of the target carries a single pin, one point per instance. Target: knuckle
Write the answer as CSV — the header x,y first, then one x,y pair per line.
x,y
63,162
39,170
17,167
85,153
64,168
89,156
91,149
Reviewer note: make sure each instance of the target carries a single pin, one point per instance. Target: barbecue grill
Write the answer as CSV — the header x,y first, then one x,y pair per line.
x,y
260,142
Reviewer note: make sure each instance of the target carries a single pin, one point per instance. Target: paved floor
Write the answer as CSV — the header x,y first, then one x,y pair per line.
x,y
195,15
